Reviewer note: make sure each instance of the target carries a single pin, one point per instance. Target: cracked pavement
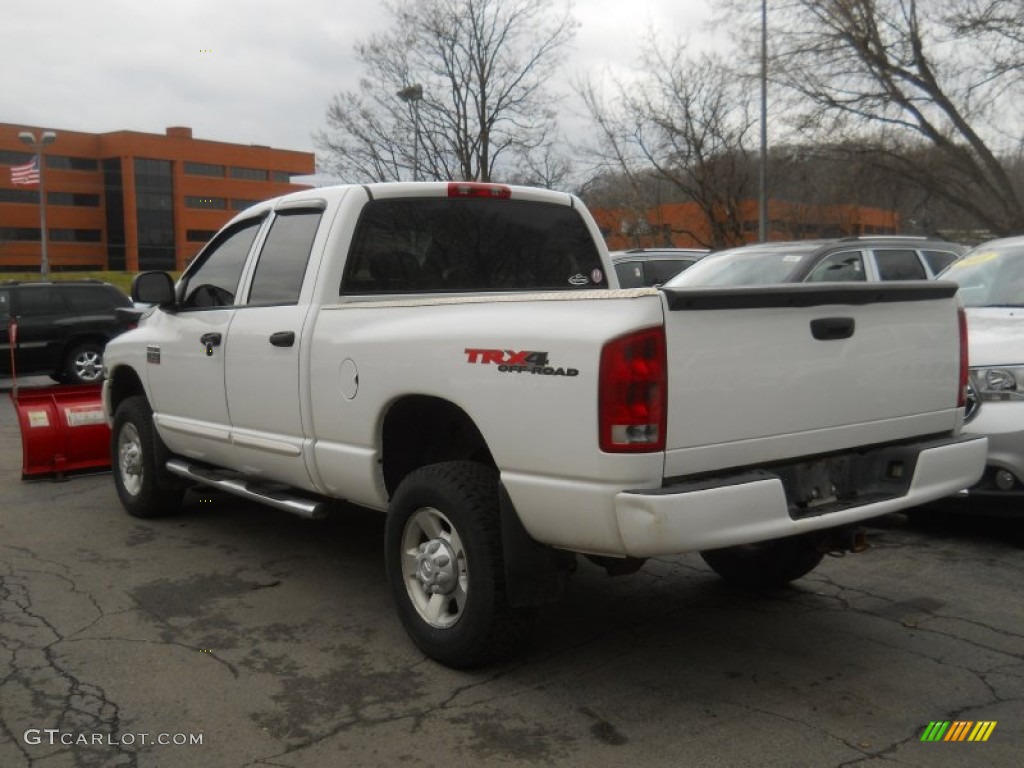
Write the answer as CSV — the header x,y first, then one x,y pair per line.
x,y
274,639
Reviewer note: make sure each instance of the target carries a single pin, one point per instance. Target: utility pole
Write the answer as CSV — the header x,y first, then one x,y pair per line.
x,y
762,214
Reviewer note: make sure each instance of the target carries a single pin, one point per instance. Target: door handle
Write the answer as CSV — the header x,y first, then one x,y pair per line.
x,y
210,340
282,338
832,328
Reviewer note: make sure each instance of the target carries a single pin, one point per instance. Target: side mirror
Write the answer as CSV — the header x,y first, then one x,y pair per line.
x,y
153,288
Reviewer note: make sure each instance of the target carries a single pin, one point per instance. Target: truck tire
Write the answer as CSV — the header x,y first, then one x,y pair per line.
x,y
134,450
766,564
83,363
445,568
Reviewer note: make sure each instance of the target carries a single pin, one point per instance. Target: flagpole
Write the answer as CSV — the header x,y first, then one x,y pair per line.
x,y
47,137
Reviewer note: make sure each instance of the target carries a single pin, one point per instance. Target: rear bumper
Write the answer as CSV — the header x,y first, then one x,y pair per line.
x,y
753,506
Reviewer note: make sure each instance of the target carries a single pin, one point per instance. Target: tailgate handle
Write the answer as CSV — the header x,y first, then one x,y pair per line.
x,y
282,338
831,328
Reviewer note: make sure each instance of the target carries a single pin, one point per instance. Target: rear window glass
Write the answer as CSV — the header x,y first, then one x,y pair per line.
x,y
439,245
631,274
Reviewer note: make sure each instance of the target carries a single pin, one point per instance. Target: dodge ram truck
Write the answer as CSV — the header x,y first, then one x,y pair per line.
x,y
460,357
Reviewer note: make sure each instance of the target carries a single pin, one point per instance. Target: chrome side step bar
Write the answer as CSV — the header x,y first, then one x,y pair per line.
x,y
233,483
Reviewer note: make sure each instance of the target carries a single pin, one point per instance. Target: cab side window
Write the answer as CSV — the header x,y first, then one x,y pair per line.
x,y
214,282
92,298
899,264
36,301
844,267
283,260
939,260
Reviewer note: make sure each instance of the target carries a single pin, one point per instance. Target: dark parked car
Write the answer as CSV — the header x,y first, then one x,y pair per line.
x,y
61,327
857,259
643,267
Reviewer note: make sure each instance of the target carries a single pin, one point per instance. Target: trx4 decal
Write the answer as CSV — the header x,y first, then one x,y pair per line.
x,y
510,361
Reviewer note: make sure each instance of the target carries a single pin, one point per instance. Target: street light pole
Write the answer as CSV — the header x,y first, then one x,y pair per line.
x,y
47,137
413,94
762,226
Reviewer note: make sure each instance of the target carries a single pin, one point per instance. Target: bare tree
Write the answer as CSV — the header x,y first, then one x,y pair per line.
x,y
998,26
473,104
899,77
689,122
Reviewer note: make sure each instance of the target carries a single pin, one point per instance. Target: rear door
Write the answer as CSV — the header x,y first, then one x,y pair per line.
x,y
263,351
759,374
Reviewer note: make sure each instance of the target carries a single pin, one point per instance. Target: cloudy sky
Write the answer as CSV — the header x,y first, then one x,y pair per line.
x,y
247,71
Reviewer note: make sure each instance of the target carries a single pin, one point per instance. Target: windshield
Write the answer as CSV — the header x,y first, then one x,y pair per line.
x,y
990,276
743,266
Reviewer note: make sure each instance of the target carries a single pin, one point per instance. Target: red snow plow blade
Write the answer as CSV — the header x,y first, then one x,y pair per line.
x,y
62,429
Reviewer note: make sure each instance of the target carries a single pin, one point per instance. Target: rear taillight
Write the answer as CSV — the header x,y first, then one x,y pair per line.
x,y
632,393
479,189
961,398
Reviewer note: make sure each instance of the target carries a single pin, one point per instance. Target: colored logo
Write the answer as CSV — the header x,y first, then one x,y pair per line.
x,y
958,730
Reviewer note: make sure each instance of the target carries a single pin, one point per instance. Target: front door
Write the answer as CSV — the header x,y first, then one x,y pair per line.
x,y
185,360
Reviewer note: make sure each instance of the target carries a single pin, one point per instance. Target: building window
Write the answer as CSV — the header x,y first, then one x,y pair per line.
x,y
253,174
113,196
19,196
154,202
73,198
65,163
199,235
240,204
203,169
14,157
282,176
76,235
19,234
216,203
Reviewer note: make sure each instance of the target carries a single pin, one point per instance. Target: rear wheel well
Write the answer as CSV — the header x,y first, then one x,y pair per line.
x,y
420,430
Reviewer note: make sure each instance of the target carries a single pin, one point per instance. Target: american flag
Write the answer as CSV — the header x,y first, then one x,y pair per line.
x,y
25,174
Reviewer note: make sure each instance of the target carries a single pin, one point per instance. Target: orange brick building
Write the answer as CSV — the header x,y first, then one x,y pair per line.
x,y
684,225
131,201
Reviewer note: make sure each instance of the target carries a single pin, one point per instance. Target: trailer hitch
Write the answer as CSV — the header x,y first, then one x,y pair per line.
x,y
837,542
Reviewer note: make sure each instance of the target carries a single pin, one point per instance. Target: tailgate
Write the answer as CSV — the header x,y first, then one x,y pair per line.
x,y
761,374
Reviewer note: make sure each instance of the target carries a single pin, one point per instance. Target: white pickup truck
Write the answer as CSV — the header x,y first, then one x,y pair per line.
x,y
459,356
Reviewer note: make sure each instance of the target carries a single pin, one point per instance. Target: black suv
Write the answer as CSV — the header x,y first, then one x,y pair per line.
x,y
61,327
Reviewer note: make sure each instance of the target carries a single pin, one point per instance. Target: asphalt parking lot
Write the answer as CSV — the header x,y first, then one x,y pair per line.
x,y
272,640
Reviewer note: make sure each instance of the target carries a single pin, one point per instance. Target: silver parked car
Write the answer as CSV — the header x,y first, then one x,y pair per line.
x,y
850,259
991,279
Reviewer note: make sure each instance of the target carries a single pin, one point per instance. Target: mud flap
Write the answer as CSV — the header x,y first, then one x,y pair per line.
x,y
535,574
